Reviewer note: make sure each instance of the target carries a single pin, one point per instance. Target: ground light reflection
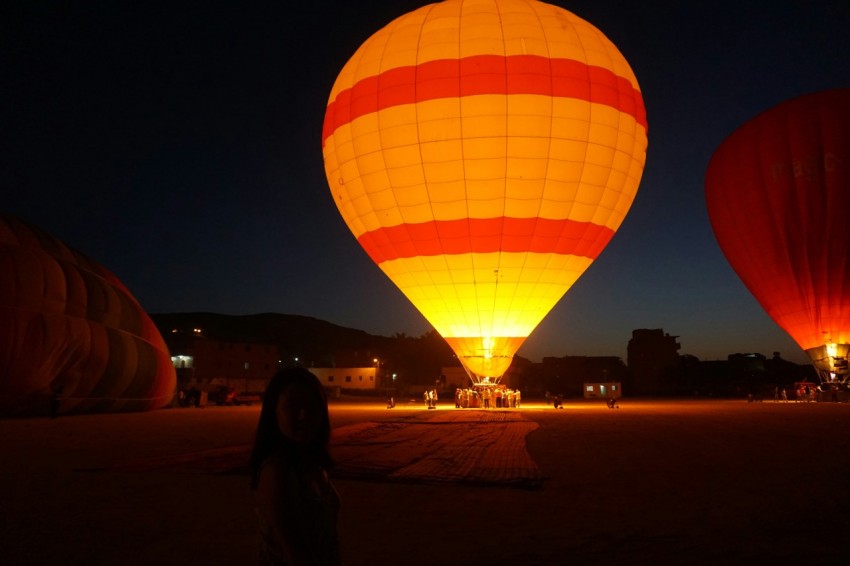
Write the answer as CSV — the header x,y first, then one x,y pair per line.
x,y
577,405
659,481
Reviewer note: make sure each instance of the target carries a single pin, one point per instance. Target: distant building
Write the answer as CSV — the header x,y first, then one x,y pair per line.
x,y
652,356
753,374
567,375
611,390
207,364
362,378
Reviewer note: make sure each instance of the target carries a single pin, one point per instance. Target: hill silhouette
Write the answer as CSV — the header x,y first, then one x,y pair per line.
x,y
310,339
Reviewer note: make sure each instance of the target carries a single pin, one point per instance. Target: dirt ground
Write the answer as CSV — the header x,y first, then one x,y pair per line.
x,y
668,482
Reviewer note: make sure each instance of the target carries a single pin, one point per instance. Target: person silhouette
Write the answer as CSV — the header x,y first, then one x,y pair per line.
x,y
296,502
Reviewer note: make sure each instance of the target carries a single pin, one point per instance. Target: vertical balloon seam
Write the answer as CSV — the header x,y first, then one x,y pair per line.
x,y
819,274
776,202
466,220
805,283
83,391
428,11
751,132
515,305
824,266
808,280
551,104
137,328
391,29
456,66
830,178
492,327
843,277
816,278
830,265
410,240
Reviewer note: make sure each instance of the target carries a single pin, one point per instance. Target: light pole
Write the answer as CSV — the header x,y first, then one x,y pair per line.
x,y
377,363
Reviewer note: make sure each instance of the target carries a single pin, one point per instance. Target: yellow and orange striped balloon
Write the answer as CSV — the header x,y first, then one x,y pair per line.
x,y
483,153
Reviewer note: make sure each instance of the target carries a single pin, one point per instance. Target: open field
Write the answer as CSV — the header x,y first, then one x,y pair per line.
x,y
696,482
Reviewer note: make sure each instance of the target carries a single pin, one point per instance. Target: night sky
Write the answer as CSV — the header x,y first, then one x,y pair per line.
x,y
180,147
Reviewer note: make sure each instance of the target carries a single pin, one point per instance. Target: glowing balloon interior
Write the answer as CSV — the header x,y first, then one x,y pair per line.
x,y
67,324
778,195
483,153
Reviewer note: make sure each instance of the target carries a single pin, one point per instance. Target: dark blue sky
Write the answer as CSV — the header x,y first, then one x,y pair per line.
x,y
180,147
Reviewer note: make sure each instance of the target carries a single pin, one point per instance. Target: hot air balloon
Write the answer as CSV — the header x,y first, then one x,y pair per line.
x,y
483,153
778,194
69,327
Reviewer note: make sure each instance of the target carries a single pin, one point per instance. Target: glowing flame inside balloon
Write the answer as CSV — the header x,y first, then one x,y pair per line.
x,y
483,154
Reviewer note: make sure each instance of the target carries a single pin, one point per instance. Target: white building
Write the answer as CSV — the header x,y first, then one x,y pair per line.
x,y
603,390
346,378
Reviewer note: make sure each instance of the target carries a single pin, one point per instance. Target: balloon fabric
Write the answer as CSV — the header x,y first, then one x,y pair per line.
x,y
71,334
778,192
483,154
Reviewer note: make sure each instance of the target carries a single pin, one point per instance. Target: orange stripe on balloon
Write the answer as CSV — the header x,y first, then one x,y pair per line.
x,y
484,74
486,235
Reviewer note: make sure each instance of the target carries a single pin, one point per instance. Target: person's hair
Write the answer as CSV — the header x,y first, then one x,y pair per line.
x,y
269,438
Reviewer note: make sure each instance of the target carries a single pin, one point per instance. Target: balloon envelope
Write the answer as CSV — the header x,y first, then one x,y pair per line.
x,y
483,153
66,322
778,194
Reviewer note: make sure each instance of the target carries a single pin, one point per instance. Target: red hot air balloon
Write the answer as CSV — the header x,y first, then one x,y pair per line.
x,y
778,196
70,329
483,153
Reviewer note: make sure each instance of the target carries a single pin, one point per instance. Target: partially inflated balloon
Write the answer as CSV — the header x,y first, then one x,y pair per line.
x,y
778,195
483,153
67,324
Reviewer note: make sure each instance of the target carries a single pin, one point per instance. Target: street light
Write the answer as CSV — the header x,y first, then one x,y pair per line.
x,y
377,363
390,400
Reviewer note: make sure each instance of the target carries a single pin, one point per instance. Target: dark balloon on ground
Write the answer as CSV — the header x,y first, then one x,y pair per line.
x,y
73,339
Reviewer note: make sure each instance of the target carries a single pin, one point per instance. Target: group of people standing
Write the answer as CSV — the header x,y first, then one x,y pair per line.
x,y
803,393
487,398
431,398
